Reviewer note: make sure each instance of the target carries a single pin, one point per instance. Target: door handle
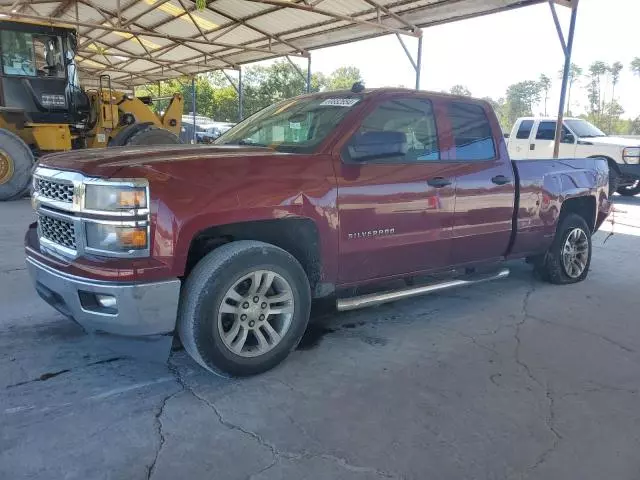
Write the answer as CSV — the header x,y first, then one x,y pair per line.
x,y
500,180
532,146
439,182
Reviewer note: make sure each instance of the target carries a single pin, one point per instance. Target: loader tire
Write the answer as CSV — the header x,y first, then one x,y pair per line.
x,y
16,165
144,134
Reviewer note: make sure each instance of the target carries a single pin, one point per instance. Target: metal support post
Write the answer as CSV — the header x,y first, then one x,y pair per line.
x,y
567,48
416,64
193,106
419,62
240,96
309,74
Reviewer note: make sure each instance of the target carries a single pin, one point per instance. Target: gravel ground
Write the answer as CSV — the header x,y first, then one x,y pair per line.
x,y
509,379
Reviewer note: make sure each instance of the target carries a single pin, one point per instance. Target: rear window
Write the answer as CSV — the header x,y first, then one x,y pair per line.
x,y
472,133
525,129
546,131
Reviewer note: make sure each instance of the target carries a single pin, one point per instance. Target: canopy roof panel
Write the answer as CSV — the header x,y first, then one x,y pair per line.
x,y
143,41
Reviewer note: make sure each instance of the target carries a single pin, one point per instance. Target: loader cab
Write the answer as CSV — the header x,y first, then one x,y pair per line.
x,y
38,74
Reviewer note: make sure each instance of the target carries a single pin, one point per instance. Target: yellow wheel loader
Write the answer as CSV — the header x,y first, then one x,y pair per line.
x,y
43,108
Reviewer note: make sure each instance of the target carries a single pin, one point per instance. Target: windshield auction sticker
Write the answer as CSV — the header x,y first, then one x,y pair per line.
x,y
340,102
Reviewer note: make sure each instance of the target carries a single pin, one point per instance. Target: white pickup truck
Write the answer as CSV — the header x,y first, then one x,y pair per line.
x,y
533,138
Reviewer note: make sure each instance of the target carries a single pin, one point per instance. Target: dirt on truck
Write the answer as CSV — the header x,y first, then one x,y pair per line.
x,y
227,245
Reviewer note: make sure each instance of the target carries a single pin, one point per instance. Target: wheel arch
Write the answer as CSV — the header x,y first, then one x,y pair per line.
x,y
584,206
297,235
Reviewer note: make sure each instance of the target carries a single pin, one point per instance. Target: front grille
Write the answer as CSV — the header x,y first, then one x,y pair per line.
x,y
58,231
63,192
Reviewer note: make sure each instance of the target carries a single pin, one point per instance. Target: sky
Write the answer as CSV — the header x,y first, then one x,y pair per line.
x,y
489,53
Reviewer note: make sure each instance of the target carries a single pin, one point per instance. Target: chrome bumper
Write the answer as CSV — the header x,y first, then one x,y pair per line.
x,y
141,309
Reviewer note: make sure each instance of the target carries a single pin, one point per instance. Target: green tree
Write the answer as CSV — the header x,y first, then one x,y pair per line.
x,y
596,71
575,72
635,66
460,90
545,86
521,97
343,78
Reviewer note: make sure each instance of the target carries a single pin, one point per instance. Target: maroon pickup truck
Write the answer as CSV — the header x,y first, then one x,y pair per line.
x,y
227,245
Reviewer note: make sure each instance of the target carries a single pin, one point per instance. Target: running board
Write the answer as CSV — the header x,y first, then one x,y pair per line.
x,y
353,303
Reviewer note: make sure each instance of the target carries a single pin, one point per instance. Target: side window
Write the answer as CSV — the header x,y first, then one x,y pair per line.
x,y
524,130
546,131
472,133
397,131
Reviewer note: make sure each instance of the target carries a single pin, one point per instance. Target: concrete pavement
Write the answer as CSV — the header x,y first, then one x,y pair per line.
x,y
506,380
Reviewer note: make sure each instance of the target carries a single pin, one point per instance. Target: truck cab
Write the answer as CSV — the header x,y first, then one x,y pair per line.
x,y
533,138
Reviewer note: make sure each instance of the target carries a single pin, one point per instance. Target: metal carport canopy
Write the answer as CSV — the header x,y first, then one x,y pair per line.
x,y
145,41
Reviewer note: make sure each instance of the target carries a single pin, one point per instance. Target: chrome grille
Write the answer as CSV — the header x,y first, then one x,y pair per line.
x,y
62,192
58,231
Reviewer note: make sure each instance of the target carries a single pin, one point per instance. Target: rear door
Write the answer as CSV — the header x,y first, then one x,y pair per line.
x,y
519,139
396,212
485,185
543,139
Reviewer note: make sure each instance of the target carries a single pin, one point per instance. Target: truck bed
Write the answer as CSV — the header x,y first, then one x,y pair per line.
x,y
543,186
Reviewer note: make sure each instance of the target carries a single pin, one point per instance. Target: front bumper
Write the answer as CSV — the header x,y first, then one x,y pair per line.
x,y
141,309
630,172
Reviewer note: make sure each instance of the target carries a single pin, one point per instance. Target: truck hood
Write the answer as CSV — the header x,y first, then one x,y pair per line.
x,y
106,162
613,141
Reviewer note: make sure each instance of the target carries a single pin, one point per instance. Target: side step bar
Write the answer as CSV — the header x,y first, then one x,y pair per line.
x,y
369,300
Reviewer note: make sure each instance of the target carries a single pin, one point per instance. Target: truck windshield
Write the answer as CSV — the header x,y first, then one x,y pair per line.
x,y
583,129
297,125
31,55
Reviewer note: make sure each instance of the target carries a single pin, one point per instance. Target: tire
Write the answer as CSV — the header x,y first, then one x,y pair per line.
x,y
16,164
152,135
631,190
202,317
123,136
553,267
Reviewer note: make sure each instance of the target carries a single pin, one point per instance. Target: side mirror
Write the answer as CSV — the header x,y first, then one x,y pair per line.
x,y
568,137
377,145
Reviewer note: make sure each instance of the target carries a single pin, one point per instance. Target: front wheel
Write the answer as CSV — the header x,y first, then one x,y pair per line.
x,y
630,190
569,257
244,308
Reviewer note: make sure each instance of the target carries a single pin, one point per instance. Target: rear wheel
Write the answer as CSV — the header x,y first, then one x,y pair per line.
x,y
630,190
244,308
16,163
569,257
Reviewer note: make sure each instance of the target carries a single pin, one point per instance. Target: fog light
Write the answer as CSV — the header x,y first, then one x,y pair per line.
x,y
106,301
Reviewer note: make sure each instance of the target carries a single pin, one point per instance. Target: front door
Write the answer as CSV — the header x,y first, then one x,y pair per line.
x,y
395,210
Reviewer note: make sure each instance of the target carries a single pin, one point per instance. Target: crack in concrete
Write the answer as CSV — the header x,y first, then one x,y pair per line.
x,y
277,454
158,420
17,269
550,418
586,332
49,375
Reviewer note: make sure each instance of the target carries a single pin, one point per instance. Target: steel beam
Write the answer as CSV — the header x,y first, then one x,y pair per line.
x,y
240,97
337,16
565,76
193,105
309,74
419,63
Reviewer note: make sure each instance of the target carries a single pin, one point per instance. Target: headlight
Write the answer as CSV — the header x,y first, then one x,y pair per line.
x,y
115,197
116,238
631,154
